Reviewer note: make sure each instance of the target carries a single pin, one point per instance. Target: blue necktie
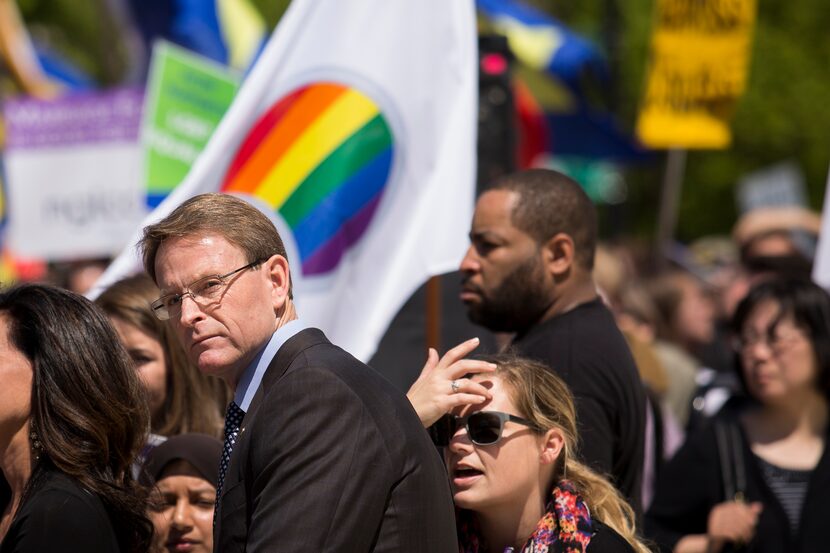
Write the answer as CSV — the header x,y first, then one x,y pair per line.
x,y
233,420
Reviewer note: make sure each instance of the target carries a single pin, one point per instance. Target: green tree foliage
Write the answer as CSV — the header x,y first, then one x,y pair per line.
x,y
271,10
84,32
88,34
782,116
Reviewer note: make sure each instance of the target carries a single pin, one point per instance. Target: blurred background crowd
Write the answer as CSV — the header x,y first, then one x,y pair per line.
x,y
709,236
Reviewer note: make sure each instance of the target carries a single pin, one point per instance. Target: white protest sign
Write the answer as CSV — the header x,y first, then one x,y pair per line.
x,y
821,264
74,170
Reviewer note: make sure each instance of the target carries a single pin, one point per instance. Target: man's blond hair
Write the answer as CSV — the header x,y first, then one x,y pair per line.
x,y
234,219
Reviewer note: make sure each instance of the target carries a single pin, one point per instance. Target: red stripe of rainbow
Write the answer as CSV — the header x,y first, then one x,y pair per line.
x,y
320,156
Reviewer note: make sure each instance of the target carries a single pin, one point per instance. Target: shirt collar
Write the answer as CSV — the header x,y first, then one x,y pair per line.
x,y
252,377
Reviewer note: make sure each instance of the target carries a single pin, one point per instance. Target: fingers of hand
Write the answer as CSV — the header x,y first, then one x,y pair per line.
x,y
461,398
459,352
469,366
467,386
432,361
734,521
429,366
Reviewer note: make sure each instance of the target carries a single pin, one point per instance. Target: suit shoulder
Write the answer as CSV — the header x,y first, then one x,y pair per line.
x,y
324,379
324,363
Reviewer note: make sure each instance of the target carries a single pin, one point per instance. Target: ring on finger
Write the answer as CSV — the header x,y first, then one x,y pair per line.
x,y
455,386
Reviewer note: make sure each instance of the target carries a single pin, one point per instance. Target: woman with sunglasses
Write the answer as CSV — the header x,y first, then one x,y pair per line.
x,y
510,456
758,479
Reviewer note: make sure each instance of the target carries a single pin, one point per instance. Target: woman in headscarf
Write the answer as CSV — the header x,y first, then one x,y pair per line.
x,y
183,473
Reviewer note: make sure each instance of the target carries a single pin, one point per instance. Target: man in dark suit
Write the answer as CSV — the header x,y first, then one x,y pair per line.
x,y
321,453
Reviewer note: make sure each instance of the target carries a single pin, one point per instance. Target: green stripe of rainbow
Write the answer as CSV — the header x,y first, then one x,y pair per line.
x,y
321,157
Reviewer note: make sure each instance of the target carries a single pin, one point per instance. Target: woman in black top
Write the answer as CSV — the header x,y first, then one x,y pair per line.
x,y
771,454
72,418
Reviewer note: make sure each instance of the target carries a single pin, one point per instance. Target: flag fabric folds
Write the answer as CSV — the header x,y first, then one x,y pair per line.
x,y
230,32
355,132
543,43
555,67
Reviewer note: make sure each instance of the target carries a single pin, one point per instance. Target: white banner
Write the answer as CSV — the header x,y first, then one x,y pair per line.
x,y
356,131
73,168
821,264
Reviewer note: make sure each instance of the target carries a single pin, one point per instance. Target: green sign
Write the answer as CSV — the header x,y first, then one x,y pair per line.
x,y
187,96
601,180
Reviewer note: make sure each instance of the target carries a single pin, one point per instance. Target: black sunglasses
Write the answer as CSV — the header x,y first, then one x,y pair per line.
x,y
483,427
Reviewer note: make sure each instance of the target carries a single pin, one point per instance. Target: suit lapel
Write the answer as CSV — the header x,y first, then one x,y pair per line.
x,y
284,358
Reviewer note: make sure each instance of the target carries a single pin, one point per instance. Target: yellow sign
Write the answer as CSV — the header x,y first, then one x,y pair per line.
x,y
698,70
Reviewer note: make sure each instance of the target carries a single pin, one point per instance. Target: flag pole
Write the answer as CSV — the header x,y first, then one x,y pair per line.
x,y
433,313
669,203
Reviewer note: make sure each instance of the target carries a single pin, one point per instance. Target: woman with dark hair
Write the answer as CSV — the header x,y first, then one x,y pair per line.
x,y
183,473
181,399
510,454
72,418
757,479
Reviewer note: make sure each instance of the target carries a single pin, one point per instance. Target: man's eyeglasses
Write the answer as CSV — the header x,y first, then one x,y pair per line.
x,y
202,291
483,427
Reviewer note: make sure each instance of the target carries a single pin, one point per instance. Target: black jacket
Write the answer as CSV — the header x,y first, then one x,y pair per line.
x,y
58,515
331,457
691,484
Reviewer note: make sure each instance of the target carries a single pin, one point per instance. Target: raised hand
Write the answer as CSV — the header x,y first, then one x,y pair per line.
x,y
442,385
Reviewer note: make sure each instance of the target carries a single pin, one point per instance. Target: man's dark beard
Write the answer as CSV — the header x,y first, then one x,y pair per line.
x,y
517,304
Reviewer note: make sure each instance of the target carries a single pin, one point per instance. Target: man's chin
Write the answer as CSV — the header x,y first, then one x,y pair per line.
x,y
474,314
211,370
212,365
490,321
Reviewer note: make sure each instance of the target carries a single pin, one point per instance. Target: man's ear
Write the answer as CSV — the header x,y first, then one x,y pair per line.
x,y
279,279
552,443
559,253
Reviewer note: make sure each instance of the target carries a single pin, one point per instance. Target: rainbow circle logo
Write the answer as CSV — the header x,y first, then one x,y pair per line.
x,y
321,157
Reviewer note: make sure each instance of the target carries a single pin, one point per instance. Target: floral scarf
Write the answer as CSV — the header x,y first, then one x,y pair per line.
x,y
566,526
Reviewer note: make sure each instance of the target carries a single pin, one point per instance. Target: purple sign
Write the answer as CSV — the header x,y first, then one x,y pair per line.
x,y
112,116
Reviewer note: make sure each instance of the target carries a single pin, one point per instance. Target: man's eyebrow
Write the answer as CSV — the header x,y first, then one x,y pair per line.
x,y
190,281
165,291
483,234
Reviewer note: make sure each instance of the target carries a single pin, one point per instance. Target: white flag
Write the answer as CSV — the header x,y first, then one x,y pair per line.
x,y
821,264
356,131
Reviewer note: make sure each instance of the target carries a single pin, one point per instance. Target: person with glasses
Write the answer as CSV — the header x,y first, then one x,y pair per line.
x,y
757,479
516,482
321,453
181,399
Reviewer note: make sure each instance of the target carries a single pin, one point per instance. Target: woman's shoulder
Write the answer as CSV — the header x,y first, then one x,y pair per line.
x,y
607,540
58,513
53,484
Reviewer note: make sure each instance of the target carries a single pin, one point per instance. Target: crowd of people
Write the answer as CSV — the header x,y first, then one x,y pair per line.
x,y
632,409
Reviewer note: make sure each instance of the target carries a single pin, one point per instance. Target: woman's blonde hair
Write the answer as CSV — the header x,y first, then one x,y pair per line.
x,y
544,399
194,402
